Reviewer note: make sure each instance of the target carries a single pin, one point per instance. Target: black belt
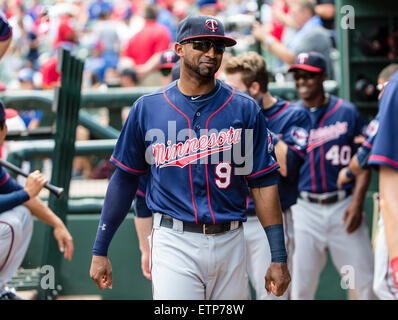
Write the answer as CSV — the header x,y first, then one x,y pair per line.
x,y
327,200
207,229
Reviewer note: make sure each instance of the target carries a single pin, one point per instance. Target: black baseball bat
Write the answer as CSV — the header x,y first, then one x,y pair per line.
x,y
56,190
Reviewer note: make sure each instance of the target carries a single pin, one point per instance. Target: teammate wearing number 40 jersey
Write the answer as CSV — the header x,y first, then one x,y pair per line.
x,y
290,126
322,209
201,142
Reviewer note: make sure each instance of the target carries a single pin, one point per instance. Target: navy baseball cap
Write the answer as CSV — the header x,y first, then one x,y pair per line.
x,y
311,61
193,27
2,112
168,59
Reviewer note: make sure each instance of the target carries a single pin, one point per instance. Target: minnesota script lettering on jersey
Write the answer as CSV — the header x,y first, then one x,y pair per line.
x,y
324,134
181,154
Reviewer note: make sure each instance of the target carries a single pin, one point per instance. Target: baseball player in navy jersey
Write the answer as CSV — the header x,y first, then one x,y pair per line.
x,y
290,126
385,155
325,217
384,283
187,136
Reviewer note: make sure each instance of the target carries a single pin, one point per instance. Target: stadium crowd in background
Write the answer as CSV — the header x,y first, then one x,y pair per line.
x,y
112,35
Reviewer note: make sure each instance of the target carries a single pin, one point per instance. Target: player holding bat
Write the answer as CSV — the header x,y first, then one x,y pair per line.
x,y
17,205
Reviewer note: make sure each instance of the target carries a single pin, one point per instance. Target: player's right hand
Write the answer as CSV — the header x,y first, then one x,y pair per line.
x,y
101,272
34,183
277,279
145,266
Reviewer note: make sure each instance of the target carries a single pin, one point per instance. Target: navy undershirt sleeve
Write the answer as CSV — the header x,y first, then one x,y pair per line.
x,y
140,209
11,200
119,196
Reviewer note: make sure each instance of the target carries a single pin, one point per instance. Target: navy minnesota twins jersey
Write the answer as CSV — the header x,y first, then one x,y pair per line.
x,y
200,156
385,147
291,124
330,145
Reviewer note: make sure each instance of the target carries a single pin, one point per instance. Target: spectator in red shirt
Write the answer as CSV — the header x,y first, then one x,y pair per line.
x,y
152,38
50,76
66,34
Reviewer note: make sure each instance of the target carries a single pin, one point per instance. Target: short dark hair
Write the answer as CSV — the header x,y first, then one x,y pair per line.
x,y
253,68
151,12
130,73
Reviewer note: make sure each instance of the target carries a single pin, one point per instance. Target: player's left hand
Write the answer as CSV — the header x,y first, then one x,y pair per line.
x,y
342,178
65,241
277,279
352,217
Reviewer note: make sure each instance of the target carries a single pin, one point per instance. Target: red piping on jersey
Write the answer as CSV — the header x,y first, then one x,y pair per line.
x,y
150,266
190,173
383,159
138,171
6,36
207,175
269,168
367,144
141,193
12,243
5,179
390,290
301,154
313,183
323,174
278,112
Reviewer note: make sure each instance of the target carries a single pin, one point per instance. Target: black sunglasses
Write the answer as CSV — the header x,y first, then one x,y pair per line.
x,y
305,75
204,45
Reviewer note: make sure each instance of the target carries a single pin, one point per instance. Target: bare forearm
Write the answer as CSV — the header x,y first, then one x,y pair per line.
x,y
143,227
355,167
42,212
362,181
267,205
281,152
282,52
388,185
325,11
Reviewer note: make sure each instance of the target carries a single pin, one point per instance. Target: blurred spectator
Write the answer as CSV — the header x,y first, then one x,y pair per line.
x,y
208,7
166,17
311,36
128,78
66,33
153,38
50,76
326,10
33,53
25,78
167,61
106,30
96,63
96,7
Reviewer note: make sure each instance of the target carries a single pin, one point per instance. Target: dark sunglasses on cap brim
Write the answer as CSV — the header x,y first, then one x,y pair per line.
x,y
204,45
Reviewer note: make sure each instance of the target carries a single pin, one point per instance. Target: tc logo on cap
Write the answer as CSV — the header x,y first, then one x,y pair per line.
x,y
302,58
212,24
168,56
